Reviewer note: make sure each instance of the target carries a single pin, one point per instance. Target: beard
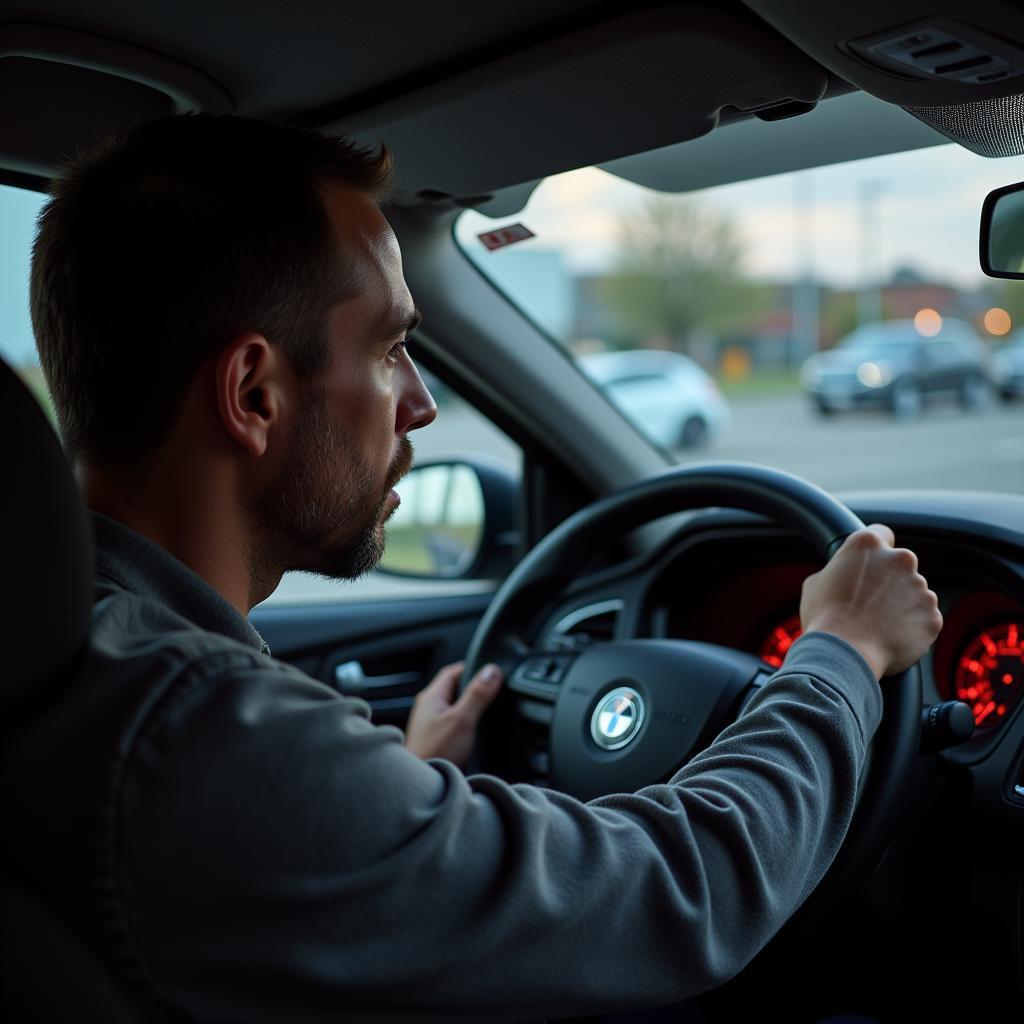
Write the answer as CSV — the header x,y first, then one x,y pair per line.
x,y
324,513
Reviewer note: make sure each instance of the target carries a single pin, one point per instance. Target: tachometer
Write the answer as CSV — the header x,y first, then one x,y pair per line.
x,y
779,640
990,672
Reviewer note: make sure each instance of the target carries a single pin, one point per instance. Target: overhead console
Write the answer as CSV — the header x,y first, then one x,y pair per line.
x,y
959,69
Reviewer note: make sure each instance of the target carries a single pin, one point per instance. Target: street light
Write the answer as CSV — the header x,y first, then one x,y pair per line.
x,y
869,298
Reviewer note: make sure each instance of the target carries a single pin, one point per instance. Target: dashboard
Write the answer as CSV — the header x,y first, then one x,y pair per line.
x,y
953,871
734,579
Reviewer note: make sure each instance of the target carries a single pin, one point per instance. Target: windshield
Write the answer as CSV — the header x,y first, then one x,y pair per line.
x,y
750,283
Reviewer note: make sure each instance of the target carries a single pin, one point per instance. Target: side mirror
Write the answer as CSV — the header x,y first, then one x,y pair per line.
x,y
1002,233
457,520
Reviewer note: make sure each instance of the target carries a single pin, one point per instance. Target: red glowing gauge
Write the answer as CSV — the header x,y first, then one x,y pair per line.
x,y
990,672
779,640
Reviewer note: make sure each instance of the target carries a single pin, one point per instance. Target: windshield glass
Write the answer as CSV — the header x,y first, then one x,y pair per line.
x,y
748,286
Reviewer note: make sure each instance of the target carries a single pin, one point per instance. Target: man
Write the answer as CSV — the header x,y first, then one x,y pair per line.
x,y
221,315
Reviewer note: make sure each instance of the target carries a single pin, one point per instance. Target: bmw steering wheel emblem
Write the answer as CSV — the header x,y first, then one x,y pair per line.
x,y
617,718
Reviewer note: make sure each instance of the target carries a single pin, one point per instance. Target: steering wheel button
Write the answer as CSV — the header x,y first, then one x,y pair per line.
x,y
546,670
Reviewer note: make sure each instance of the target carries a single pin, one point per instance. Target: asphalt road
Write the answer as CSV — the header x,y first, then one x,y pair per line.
x,y
944,447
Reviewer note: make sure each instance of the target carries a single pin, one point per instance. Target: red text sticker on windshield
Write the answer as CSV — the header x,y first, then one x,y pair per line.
x,y
505,236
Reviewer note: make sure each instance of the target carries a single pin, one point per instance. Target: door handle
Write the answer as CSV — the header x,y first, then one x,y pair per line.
x,y
349,677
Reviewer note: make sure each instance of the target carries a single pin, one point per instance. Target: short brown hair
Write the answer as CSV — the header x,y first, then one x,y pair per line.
x,y
161,246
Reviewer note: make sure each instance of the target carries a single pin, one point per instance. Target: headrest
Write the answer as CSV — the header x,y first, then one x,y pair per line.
x,y
45,552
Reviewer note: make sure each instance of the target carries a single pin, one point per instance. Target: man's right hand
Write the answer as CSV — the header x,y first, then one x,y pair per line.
x,y
871,595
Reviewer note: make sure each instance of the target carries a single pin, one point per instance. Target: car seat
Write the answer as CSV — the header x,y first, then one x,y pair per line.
x,y
48,971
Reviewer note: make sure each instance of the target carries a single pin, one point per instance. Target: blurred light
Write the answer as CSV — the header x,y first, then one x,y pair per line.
x,y
997,321
871,375
927,322
735,362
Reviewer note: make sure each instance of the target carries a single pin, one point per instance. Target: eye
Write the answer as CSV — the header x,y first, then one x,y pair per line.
x,y
396,350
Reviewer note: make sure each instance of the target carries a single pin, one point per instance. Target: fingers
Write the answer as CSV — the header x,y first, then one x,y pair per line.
x,y
480,694
445,684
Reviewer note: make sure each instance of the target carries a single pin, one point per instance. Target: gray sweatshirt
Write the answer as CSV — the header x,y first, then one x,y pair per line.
x,y
244,844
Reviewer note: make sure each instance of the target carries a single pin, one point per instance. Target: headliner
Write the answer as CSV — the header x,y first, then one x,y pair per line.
x,y
473,98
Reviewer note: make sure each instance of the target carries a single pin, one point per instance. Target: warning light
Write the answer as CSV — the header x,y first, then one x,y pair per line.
x,y
927,322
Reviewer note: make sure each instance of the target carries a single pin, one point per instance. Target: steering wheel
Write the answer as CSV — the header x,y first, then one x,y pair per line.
x,y
629,713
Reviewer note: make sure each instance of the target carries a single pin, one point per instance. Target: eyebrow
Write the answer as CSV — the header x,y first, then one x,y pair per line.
x,y
402,323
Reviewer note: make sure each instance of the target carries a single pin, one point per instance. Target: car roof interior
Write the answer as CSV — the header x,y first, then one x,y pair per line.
x,y
475,100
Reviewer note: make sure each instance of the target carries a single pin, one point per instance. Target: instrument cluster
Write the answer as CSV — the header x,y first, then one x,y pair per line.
x,y
978,657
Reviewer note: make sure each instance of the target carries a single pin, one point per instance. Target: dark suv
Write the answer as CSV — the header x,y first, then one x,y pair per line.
x,y
895,365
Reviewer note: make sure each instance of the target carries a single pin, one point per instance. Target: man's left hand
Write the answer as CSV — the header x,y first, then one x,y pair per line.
x,y
442,723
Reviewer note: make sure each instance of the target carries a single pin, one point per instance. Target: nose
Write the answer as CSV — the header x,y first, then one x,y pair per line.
x,y
416,406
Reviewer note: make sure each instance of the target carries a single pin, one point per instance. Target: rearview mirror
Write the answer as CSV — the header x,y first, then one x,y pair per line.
x,y
456,521
1002,233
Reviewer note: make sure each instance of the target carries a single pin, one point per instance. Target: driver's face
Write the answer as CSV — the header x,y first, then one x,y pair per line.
x,y
326,510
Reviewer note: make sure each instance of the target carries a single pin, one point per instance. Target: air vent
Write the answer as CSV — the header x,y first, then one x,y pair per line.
x,y
945,51
595,622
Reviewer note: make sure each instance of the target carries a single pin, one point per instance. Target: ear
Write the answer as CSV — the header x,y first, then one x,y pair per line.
x,y
252,387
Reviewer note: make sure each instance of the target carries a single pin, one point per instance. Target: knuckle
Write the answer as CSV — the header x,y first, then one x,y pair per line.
x,y
906,560
865,540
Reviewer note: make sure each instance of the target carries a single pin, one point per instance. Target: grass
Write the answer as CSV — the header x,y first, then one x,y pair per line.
x,y
410,548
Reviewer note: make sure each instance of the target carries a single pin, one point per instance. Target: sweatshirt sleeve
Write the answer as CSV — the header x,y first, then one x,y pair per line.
x,y
282,859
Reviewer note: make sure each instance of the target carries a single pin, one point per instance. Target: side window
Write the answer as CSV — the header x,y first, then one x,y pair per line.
x,y
461,433
18,212
943,352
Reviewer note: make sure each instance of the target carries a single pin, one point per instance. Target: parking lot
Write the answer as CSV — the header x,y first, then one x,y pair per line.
x,y
944,447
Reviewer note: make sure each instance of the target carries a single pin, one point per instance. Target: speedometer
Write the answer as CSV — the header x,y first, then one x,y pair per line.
x,y
990,672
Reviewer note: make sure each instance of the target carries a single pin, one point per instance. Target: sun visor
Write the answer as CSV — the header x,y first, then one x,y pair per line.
x,y
626,86
847,127
68,89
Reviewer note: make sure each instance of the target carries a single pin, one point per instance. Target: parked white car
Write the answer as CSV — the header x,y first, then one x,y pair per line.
x,y
666,394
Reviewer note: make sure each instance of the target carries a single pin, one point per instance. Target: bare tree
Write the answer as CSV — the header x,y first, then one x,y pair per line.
x,y
677,271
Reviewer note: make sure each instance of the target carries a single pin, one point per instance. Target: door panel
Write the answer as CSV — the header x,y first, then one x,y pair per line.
x,y
381,651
